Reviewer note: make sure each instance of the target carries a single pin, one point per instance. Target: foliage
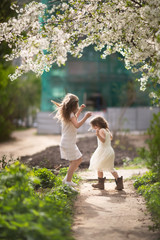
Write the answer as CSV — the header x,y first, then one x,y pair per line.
x,y
46,177
152,156
149,186
28,98
5,13
130,28
20,98
147,179
6,162
63,172
7,88
7,95
137,162
154,143
26,214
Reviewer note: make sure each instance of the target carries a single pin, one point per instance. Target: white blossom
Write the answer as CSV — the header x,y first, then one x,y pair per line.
x,y
131,28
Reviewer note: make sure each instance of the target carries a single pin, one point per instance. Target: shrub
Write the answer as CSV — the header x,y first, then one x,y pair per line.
x,y
6,162
152,197
137,162
153,142
149,184
63,172
149,187
47,178
147,179
7,106
27,214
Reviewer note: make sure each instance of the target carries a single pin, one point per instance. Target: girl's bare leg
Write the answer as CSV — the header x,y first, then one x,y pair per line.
x,y
72,167
100,174
115,175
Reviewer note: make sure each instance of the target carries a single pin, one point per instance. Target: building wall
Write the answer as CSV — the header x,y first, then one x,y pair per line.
x,y
132,119
99,83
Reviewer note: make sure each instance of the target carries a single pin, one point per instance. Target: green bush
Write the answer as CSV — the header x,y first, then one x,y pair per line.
x,y
7,106
152,197
149,187
137,162
6,162
20,99
63,172
27,214
147,179
153,156
47,178
149,184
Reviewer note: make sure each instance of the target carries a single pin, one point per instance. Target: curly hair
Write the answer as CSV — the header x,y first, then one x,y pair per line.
x,y
68,105
99,122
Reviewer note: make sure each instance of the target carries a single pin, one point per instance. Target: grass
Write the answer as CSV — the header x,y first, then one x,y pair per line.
x,y
133,164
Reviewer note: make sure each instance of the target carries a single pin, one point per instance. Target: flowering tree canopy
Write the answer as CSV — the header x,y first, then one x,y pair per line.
x,y
41,36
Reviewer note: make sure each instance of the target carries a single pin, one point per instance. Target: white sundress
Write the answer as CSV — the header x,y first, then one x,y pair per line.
x,y
68,148
103,157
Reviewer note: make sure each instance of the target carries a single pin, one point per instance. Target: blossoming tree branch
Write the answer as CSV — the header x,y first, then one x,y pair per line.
x,y
42,35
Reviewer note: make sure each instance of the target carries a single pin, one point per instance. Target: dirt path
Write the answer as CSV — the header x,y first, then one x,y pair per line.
x,y
27,142
109,214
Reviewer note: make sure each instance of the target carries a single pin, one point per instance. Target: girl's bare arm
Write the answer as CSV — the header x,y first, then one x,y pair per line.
x,y
80,110
101,135
77,123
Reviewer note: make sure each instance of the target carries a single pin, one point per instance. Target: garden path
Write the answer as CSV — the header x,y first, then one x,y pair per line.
x,y
110,214
27,142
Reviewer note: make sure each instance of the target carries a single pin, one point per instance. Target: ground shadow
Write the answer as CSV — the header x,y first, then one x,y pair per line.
x,y
115,196
100,214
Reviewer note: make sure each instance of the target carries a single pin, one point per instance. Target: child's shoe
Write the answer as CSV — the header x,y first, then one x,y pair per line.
x,y
100,183
73,184
70,185
119,183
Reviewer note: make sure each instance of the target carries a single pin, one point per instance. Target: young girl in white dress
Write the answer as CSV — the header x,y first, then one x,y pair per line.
x,y
68,112
103,157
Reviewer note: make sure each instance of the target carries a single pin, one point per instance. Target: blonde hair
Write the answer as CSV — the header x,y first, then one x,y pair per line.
x,y
99,122
68,105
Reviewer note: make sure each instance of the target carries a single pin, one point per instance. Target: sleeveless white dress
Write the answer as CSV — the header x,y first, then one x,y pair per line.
x,y
103,157
68,148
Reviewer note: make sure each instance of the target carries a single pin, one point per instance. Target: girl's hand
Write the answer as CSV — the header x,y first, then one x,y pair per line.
x,y
88,114
77,123
83,106
80,110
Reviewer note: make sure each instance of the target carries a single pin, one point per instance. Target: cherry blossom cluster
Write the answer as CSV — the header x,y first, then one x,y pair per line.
x,y
41,35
